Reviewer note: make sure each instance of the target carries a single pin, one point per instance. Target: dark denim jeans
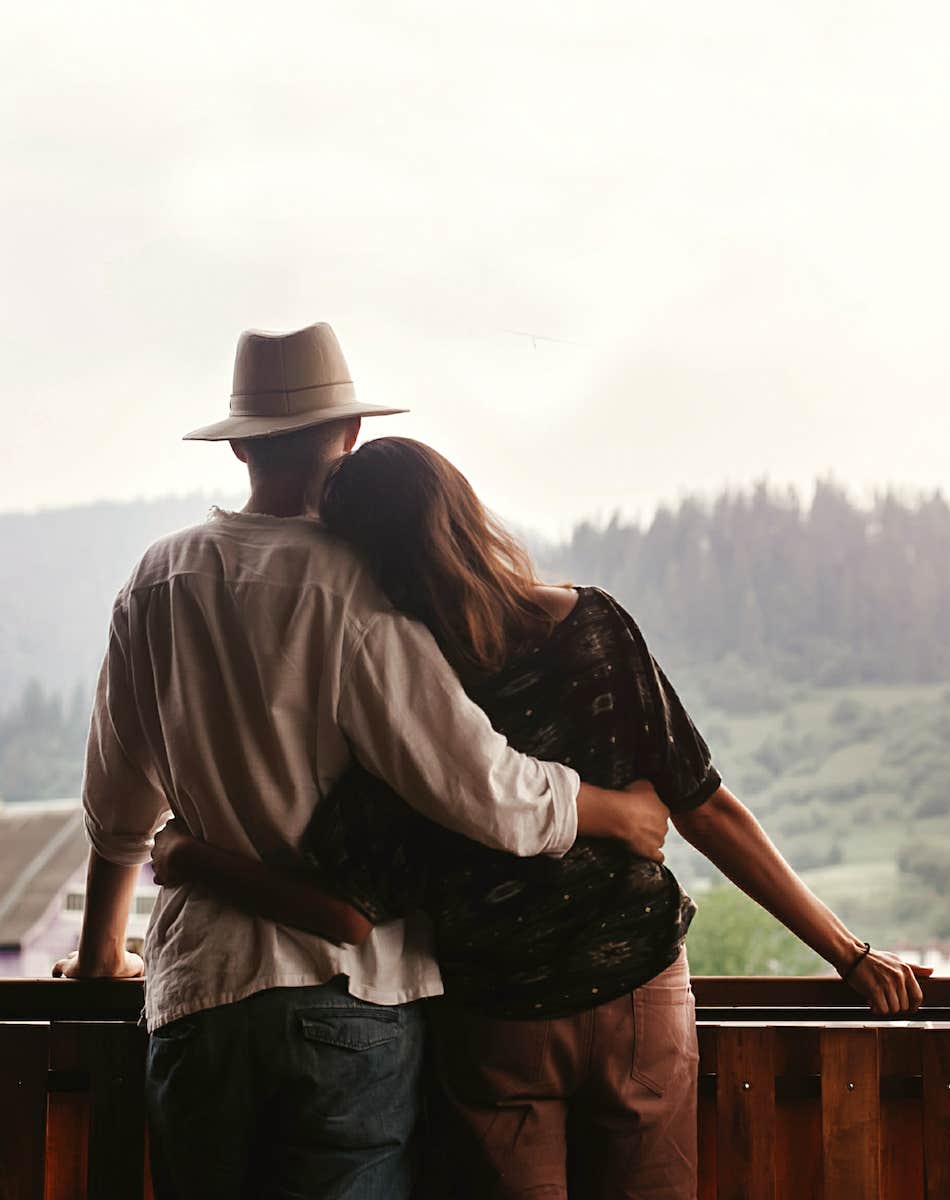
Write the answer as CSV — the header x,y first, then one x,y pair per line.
x,y
301,1093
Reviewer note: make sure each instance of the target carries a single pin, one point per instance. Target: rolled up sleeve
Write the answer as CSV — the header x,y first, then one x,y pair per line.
x,y
122,802
410,722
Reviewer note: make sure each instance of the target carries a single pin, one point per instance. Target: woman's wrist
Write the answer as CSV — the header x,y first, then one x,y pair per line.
x,y
845,952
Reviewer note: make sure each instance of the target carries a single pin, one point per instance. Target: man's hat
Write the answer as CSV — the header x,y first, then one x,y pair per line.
x,y
287,381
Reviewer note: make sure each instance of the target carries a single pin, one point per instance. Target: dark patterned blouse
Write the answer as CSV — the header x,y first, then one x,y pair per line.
x,y
538,937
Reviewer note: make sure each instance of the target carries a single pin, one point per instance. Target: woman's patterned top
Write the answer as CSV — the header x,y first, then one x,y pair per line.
x,y
538,937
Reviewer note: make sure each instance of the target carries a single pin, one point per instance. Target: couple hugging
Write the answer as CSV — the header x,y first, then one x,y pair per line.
x,y
399,766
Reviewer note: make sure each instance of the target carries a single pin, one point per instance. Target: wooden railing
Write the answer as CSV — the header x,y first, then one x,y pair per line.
x,y
801,1094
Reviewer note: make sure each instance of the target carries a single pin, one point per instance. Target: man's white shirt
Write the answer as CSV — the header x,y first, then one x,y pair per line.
x,y
248,658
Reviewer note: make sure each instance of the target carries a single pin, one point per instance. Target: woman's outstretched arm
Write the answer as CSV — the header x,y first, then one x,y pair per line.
x,y
728,834
285,896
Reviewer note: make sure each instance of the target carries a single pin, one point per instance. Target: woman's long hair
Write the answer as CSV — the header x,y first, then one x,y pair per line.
x,y
436,551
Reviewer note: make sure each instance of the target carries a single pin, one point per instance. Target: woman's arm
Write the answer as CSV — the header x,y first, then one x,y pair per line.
x,y
728,834
281,895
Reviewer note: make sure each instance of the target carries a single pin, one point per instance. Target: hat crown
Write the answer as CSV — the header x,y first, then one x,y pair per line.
x,y
270,369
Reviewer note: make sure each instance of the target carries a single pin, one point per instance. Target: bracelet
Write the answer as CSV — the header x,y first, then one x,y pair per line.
x,y
857,962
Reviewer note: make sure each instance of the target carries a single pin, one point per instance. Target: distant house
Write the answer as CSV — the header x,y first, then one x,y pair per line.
x,y
43,852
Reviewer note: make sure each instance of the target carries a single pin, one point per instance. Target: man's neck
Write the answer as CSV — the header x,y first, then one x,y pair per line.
x,y
269,502
285,497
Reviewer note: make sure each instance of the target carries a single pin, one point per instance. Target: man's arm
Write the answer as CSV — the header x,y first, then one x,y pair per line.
x,y
411,723
122,807
102,951
728,834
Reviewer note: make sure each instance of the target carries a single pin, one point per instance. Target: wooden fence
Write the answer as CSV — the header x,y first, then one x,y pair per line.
x,y
801,1095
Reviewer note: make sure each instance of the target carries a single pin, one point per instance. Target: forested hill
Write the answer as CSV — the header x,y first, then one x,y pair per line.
x,y
824,593
827,593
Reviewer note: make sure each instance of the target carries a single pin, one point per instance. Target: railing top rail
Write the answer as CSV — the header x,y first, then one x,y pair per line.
x,y
805,991
718,998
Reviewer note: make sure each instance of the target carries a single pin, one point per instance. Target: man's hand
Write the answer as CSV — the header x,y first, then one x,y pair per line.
x,y
648,818
169,853
888,983
636,816
130,966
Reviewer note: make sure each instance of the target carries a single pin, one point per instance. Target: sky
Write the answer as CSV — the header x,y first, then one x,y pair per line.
x,y
725,227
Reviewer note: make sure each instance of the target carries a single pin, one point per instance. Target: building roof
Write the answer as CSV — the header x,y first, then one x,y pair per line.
x,y
42,844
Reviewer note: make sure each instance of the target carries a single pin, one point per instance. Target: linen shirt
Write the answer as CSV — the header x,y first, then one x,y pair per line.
x,y
249,657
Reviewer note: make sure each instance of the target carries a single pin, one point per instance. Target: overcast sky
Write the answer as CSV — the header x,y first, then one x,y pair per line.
x,y
732,218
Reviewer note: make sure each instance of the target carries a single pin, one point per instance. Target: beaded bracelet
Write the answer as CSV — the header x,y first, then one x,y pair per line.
x,y
857,962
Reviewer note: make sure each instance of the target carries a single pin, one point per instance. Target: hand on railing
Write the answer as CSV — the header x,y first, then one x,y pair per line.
x,y
888,983
130,966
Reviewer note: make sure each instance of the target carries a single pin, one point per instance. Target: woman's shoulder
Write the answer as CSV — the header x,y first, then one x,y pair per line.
x,y
598,607
597,599
558,601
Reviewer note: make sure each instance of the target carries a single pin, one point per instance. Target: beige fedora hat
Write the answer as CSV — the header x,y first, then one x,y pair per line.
x,y
287,381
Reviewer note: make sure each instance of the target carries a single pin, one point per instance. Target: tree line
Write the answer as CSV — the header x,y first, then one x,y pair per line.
x,y
826,593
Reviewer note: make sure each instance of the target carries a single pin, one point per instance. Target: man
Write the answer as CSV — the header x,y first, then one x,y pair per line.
x,y
246,657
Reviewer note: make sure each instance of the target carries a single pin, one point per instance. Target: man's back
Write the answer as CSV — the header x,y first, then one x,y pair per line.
x,y
234,637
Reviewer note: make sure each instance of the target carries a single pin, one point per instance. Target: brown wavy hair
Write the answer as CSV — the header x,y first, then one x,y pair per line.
x,y
439,555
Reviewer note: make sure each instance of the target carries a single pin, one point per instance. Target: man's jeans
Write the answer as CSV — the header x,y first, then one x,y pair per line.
x,y
302,1093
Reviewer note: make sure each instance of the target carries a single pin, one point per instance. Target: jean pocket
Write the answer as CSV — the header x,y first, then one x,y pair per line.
x,y
665,1044
349,1028
175,1033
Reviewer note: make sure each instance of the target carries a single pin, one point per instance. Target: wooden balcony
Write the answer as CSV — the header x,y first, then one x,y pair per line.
x,y
801,1095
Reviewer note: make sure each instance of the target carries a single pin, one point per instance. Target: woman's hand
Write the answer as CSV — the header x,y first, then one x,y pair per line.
x,y
888,983
170,853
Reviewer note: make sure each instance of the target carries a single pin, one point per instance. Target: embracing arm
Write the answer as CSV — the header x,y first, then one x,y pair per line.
x,y
411,723
286,896
292,897
727,833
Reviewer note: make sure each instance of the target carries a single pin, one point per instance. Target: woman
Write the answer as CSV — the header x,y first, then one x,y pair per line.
x,y
566,1045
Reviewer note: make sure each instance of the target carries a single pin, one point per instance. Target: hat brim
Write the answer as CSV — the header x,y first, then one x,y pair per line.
x,y
234,428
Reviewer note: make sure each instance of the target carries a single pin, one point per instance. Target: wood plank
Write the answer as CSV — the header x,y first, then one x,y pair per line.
x,y
745,1114
798,1165
67,1128
936,1115
67,1141
902,1153
798,1162
113,1056
24,1062
851,1114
